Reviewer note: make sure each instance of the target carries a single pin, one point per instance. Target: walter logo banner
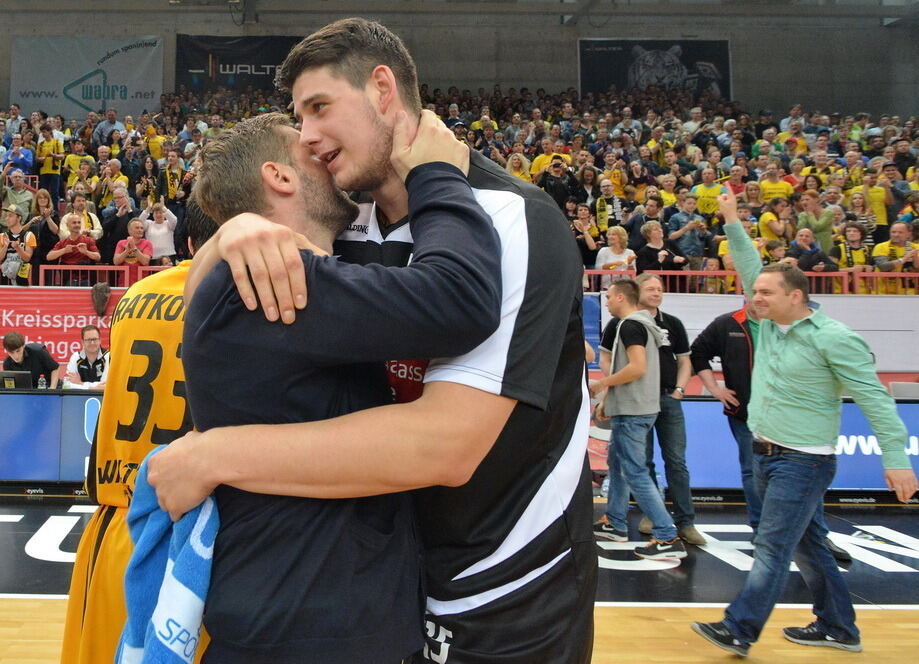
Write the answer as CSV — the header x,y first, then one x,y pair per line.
x,y
73,75
204,62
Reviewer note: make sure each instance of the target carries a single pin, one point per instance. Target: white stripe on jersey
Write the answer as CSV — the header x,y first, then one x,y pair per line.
x,y
367,228
550,501
483,366
463,604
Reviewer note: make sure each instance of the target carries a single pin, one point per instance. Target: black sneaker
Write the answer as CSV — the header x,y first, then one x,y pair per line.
x,y
814,636
718,634
604,530
658,550
840,554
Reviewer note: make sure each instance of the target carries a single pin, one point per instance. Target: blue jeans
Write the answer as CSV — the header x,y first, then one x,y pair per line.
x,y
628,469
792,485
671,436
745,453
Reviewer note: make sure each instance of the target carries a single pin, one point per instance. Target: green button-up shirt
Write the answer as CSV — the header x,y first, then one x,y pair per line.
x,y
800,375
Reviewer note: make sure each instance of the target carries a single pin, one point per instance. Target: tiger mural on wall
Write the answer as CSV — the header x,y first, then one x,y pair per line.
x,y
664,69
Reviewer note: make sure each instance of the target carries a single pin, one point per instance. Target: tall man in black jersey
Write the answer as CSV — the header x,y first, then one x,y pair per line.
x,y
498,437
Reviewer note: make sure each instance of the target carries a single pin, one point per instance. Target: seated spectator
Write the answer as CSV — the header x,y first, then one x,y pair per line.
x,y
852,255
46,227
690,232
159,231
584,234
753,197
658,253
79,205
775,222
115,220
31,357
72,161
898,254
86,177
774,252
133,251
587,187
810,257
616,255
707,193
794,177
76,248
518,166
16,194
817,218
557,181
651,211
87,368
772,185
16,248
711,285
18,156
111,180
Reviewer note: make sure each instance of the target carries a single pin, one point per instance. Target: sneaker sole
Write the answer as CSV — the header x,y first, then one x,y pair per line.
x,y
826,644
676,555
610,537
737,650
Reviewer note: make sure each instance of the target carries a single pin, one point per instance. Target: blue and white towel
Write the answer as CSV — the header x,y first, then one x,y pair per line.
x,y
167,578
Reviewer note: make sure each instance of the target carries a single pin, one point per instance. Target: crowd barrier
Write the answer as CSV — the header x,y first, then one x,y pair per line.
x,y
117,276
726,281
49,433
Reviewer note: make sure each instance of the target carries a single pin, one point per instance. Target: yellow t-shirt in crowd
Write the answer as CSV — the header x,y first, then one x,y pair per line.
x,y
877,197
780,189
49,165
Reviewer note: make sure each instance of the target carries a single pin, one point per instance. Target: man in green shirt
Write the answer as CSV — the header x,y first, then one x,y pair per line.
x,y
804,361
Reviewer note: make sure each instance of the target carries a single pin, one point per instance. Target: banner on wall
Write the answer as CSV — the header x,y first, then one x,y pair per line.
x,y
204,62
685,64
72,75
54,316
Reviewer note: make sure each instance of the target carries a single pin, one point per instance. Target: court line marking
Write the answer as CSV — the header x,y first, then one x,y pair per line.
x,y
626,605
715,605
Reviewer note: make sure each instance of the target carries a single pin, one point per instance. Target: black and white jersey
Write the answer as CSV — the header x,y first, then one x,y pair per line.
x,y
530,501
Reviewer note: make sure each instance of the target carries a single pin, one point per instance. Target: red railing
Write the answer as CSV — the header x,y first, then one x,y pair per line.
x,y
119,276
147,270
885,283
727,281
83,275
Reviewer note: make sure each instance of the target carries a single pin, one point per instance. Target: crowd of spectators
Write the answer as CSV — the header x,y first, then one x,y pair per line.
x,y
111,189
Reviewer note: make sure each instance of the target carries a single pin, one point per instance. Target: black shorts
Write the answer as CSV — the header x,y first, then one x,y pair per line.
x,y
550,620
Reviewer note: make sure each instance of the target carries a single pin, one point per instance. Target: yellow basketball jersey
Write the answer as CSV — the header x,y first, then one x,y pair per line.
x,y
144,403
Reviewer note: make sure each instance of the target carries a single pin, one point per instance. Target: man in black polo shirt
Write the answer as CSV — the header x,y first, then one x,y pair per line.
x,y
31,357
499,437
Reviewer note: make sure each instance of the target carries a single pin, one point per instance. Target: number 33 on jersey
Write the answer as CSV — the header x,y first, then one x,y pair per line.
x,y
144,403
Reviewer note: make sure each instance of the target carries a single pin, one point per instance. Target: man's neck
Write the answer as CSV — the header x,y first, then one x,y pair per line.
x,y
392,200
651,310
794,316
91,357
75,235
288,214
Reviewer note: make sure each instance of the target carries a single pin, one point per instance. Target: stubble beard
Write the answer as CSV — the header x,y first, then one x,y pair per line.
x,y
378,168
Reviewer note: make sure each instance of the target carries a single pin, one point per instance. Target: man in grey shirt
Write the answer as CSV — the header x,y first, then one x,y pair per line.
x,y
630,394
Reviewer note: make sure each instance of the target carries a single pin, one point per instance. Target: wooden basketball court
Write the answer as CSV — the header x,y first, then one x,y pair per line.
x,y
31,629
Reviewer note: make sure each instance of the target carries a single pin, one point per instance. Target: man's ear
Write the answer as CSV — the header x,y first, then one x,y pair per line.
x,y
278,178
383,90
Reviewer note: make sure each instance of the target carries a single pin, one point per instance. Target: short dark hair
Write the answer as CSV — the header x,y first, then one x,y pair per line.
x,y
656,199
198,225
13,341
628,288
793,278
88,328
351,48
